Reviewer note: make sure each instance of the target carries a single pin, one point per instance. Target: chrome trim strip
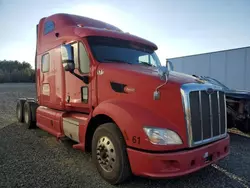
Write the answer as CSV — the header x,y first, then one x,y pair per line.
x,y
218,99
187,115
225,112
211,115
185,91
210,139
198,87
201,119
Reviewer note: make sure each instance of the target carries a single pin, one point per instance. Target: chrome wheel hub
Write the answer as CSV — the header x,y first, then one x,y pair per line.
x,y
105,154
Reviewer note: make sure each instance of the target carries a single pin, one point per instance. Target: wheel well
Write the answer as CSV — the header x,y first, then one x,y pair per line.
x,y
92,126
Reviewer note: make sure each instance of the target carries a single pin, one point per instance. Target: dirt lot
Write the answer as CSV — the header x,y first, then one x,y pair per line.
x,y
33,158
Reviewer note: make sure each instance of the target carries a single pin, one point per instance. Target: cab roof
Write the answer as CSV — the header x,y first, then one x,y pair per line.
x,y
57,26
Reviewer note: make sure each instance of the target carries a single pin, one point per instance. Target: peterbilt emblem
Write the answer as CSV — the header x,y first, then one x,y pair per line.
x,y
210,91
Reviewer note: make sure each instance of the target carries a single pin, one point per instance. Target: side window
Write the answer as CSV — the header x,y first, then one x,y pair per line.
x,y
48,27
75,51
45,62
84,59
147,59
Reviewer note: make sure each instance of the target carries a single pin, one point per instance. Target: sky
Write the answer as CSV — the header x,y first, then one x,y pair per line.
x,y
177,27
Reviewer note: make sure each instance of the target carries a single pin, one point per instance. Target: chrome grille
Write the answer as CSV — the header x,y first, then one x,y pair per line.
x,y
205,113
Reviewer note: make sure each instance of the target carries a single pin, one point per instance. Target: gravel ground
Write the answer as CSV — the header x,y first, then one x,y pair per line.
x,y
9,93
33,158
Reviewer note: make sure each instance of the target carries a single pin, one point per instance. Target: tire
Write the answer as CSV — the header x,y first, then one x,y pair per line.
x,y
33,108
109,137
28,115
19,110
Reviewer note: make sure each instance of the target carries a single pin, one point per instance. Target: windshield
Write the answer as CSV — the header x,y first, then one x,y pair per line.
x,y
107,50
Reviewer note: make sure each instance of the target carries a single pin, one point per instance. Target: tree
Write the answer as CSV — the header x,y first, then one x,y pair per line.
x,y
15,71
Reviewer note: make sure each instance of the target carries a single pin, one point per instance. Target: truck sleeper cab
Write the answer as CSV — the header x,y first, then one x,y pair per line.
x,y
103,88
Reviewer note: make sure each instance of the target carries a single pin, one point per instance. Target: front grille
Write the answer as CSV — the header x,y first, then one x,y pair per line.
x,y
205,114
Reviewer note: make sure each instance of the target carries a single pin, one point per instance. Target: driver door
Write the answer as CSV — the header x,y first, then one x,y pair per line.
x,y
77,92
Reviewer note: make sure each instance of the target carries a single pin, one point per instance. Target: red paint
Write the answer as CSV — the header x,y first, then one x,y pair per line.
x,y
175,164
50,120
79,146
130,111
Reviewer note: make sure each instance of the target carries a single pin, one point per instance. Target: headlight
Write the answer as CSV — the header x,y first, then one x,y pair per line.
x,y
160,136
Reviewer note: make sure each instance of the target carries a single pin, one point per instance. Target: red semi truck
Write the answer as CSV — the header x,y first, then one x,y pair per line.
x,y
106,90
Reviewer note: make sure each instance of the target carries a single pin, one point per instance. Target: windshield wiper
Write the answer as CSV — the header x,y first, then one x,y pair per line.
x,y
117,60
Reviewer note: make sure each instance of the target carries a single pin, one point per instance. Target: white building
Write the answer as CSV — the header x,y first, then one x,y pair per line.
x,y
231,67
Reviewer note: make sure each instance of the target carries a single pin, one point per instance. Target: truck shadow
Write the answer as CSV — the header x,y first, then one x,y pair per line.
x,y
198,179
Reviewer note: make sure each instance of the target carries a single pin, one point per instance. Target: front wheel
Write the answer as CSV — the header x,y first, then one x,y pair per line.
x,y
109,154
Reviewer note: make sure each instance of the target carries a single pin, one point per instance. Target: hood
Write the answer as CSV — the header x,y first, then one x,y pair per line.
x,y
184,78
174,77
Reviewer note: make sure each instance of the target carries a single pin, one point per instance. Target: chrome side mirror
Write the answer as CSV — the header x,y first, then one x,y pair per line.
x,y
163,72
67,57
169,65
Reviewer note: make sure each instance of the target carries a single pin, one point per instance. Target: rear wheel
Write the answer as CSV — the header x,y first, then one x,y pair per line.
x,y
29,114
19,110
109,154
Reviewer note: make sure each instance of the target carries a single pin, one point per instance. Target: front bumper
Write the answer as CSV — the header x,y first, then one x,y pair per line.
x,y
176,164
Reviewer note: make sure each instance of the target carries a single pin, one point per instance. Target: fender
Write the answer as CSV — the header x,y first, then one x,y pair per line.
x,y
131,118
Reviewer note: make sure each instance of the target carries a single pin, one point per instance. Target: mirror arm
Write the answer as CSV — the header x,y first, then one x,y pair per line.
x,y
85,79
